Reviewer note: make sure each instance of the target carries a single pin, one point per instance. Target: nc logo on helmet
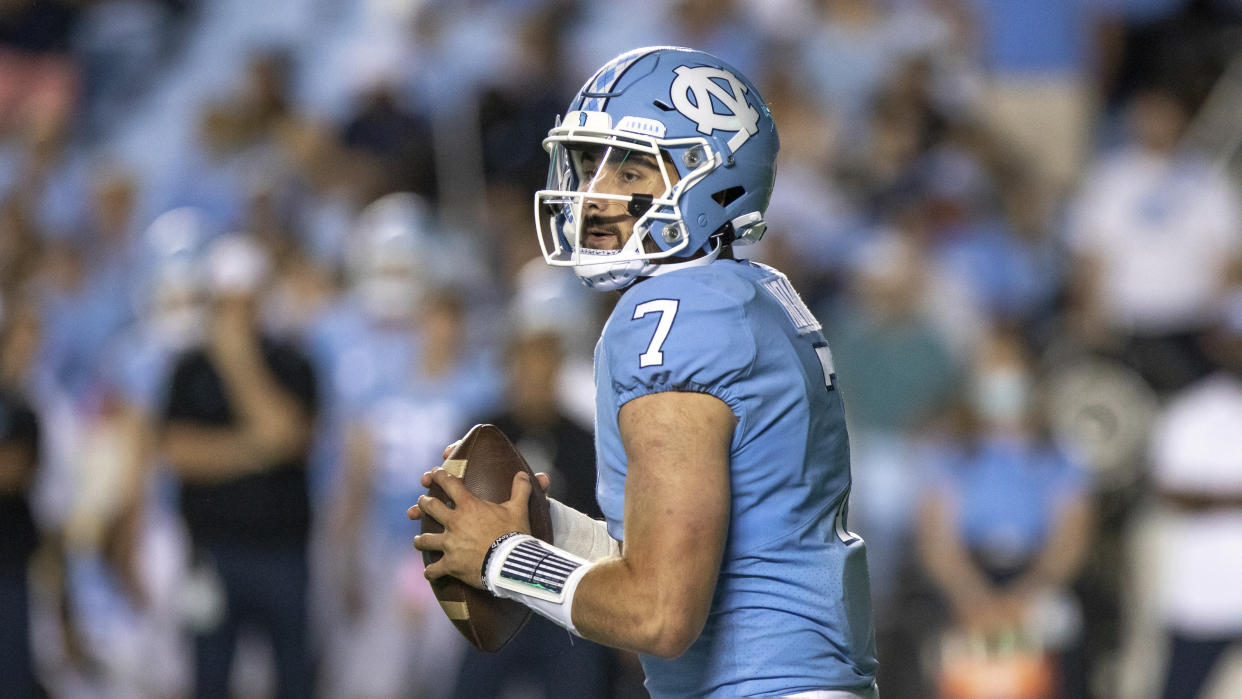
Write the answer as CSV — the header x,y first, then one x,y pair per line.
x,y
692,94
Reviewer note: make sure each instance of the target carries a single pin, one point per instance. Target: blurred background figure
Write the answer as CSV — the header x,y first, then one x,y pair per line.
x,y
1197,469
125,546
547,319
19,463
236,432
1155,238
366,337
954,175
399,642
1004,526
1042,65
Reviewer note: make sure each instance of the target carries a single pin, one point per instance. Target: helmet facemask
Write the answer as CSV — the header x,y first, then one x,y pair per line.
x,y
611,208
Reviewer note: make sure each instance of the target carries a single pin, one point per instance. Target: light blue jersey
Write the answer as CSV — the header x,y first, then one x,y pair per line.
x,y
792,608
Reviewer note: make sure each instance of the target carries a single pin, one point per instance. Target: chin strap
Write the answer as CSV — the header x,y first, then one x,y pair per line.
x,y
618,275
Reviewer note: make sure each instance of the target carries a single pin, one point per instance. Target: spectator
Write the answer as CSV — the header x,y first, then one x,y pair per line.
x,y
399,641
129,545
1196,457
1011,277
38,76
898,371
19,460
396,140
543,656
236,433
1041,63
857,48
1006,520
366,338
1155,234
19,244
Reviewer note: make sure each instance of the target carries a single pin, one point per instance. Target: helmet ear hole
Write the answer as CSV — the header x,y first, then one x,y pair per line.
x,y
725,197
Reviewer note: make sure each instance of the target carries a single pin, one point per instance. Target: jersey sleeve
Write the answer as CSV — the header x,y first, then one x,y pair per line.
x,y
673,334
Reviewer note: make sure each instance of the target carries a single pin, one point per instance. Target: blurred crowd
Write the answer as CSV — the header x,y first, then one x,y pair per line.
x,y
259,263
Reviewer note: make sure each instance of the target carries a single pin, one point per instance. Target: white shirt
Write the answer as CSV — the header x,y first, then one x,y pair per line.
x,y
1197,447
1163,232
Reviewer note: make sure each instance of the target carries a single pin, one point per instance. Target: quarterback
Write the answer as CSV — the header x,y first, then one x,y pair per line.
x,y
723,464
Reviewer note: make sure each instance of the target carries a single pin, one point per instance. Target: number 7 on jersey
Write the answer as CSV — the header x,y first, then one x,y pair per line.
x,y
667,308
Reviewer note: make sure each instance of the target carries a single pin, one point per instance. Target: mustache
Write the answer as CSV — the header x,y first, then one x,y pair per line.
x,y
607,224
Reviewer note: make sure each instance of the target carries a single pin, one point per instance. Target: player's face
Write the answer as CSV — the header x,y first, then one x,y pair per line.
x,y
607,223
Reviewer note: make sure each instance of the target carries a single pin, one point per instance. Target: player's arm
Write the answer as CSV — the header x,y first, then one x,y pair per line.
x,y
654,597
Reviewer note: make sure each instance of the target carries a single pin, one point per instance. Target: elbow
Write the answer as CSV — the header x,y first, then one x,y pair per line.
x,y
285,441
671,646
673,634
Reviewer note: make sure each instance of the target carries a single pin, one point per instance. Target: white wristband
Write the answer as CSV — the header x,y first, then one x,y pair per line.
x,y
579,534
537,574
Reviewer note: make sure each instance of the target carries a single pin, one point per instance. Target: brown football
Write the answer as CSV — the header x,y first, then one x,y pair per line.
x,y
487,462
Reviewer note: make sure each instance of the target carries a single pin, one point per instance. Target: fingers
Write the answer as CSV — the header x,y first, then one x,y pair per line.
x,y
545,481
453,486
519,496
435,570
414,512
425,479
434,509
429,542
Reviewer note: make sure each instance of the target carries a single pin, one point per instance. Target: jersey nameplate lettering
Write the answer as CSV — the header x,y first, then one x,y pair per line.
x,y
803,320
801,316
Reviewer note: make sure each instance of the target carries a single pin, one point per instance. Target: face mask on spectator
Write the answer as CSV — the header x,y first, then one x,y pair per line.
x,y
388,297
179,328
1000,396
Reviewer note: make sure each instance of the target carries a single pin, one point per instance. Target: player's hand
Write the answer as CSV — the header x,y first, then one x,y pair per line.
x,y
470,526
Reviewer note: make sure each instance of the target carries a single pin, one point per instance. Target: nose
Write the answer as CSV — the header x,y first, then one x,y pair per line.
x,y
594,205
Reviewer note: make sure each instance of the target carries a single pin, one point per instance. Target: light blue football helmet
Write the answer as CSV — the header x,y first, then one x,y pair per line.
x,y
692,116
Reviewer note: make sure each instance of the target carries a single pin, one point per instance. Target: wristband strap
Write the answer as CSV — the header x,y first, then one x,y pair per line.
x,y
537,574
492,549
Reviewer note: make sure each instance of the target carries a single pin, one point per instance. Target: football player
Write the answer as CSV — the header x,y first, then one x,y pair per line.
x,y
723,464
